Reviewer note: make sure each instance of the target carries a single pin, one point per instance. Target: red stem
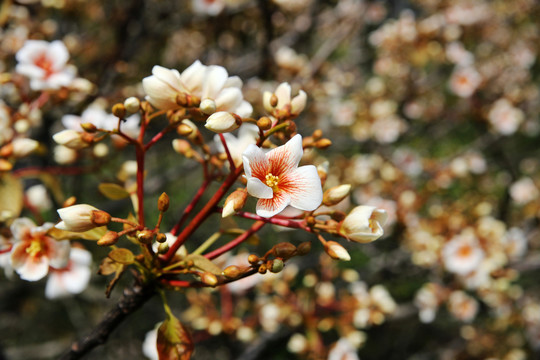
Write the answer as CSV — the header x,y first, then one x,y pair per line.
x,y
234,243
157,137
6,250
191,206
203,214
276,221
229,157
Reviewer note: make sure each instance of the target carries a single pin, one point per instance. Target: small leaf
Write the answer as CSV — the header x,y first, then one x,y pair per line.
x,y
122,256
173,340
203,263
11,196
109,266
93,234
113,191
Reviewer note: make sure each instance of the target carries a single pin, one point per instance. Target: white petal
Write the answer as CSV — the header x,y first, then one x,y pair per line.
x,y
229,99
298,103
258,189
244,110
255,161
215,78
169,76
193,77
30,70
305,188
58,54
233,81
20,227
285,158
160,94
270,207
58,253
54,288
30,50
283,93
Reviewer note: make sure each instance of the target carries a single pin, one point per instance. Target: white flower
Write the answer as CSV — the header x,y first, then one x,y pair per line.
x,y
504,117
464,81
208,7
73,278
38,197
33,251
77,218
247,134
98,117
523,191
515,243
277,181
462,254
285,105
462,306
45,64
343,350
364,224
204,82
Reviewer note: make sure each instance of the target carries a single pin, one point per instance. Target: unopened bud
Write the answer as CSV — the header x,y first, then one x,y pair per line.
x,y
234,202
262,269
110,238
145,236
323,143
182,147
317,134
71,139
23,146
277,266
132,104
187,100
100,217
163,202
6,150
161,238
89,127
336,194
338,216
222,122
253,259
208,106
264,123
284,250
303,248
184,129
232,272
5,165
69,201
119,110
336,251
209,279
273,100
163,248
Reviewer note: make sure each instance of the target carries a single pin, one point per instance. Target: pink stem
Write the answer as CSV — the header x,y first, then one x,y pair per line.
x,y
157,137
276,221
190,207
229,157
234,243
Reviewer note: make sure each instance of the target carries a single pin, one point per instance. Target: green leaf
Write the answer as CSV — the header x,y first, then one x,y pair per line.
x,y
203,263
113,191
11,197
122,256
173,340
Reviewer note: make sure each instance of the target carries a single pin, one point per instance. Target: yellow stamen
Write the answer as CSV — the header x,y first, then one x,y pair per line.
x,y
34,248
272,181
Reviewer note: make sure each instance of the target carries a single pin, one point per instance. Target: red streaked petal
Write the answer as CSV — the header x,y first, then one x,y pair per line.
x,y
270,207
255,162
304,187
258,189
285,158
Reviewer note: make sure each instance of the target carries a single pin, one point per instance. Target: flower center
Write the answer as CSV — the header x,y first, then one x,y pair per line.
x,y
45,63
272,181
34,248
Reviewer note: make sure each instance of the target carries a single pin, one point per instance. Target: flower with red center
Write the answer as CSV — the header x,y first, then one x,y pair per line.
x,y
45,64
33,251
275,178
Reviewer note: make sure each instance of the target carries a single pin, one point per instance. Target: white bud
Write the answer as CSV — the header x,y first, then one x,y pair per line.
x,y
336,251
364,224
336,194
101,150
222,122
132,104
21,126
208,106
64,155
76,218
298,103
70,138
37,197
23,147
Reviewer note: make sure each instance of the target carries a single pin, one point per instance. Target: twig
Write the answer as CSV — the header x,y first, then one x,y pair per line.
x,y
132,299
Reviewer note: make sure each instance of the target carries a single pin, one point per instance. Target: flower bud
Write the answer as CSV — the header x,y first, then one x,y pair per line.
x,y
284,250
336,251
23,147
264,123
270,101
276,266
161,238
89,127
163,248
110,238
182,147
363,224
119,110
132,104
71,139
253,259
100,217
323,143
163,202
5,165
145,236
184,129
262,269
232,272
234,202
208,106
222,122
209,279
77,218
336,194
303,248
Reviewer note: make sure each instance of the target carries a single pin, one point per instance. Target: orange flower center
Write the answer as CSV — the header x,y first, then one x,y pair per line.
x,y
465,251
45,63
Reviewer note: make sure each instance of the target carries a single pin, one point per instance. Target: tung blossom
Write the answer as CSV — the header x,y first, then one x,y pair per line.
x,y
45,64
33,251
210,84
247,134
364,224
277,181
462,254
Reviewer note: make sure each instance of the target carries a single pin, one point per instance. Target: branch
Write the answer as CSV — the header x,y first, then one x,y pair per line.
x,y
132,299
